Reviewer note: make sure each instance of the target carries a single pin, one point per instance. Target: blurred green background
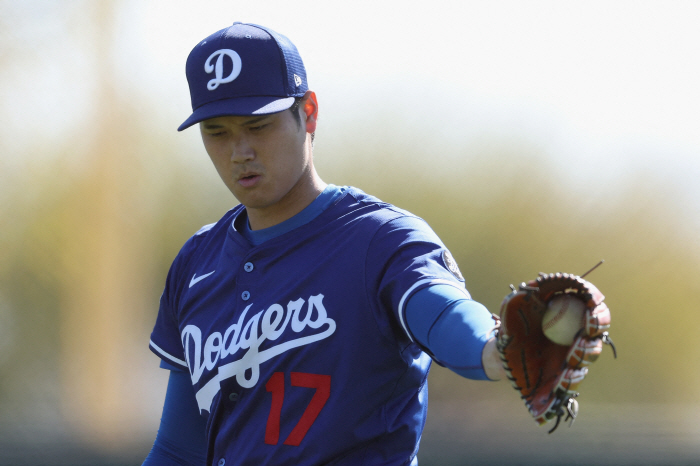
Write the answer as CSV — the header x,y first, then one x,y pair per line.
x,y
533,137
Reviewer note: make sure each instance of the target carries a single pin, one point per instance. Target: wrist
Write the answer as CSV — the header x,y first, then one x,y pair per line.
x,y
491,360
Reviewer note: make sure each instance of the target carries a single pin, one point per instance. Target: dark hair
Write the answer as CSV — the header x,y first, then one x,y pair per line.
x,y
295,112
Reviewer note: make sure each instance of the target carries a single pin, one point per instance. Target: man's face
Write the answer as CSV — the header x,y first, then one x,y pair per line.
x,y
263,160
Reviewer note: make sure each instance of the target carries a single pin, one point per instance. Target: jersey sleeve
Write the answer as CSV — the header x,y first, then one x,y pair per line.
x,y
406,256
165,338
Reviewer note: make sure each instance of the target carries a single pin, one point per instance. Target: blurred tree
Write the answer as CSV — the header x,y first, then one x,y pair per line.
x,y
102,256
85,247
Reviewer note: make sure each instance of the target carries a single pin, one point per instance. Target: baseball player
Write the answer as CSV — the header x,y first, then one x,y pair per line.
x,y
299,329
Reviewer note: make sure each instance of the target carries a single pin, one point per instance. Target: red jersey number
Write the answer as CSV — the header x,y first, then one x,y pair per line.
x,y
322,385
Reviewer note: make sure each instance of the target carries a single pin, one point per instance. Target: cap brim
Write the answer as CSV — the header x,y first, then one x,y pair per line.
x,y
240,106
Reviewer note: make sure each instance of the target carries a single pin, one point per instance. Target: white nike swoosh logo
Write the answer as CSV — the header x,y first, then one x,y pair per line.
x,y
196,279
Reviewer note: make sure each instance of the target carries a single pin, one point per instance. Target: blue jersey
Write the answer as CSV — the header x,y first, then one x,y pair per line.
x,y
297,348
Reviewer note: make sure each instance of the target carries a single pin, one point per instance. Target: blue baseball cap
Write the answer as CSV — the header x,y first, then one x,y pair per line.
x,y
244,69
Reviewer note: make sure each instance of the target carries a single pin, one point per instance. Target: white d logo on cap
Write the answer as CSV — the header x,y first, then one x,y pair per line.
x,y
218,68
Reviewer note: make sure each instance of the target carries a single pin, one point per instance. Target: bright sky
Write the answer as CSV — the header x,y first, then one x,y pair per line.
x,y
602,84
611,69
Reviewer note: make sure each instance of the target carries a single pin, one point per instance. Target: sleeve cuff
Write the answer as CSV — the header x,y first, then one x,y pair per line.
x,y
167,357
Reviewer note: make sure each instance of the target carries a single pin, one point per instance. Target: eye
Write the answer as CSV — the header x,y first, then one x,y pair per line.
x,y
258,127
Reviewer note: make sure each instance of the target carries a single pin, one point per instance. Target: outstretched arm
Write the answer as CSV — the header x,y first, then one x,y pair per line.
x,y
457,331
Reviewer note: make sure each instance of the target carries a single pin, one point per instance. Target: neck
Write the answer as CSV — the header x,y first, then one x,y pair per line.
x,y
297,199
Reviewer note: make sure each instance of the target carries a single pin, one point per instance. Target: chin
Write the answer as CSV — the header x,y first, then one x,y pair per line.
x,y
253,201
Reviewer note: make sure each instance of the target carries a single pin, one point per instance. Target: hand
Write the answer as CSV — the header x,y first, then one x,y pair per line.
x,y
491,360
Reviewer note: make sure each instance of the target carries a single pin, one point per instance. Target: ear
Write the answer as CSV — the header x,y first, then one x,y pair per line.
x,y
309,105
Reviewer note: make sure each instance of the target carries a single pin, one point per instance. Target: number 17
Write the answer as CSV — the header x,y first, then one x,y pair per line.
x,y
322,384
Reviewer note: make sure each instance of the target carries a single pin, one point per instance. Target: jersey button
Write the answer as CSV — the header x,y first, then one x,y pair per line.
x,y
221,462
248,267
245,295
233,396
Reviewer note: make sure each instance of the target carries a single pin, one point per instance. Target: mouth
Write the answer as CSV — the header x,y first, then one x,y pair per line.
x,y
248,179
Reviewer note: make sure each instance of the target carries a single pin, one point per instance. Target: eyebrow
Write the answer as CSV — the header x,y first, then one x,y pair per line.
x,y
254,120
245,123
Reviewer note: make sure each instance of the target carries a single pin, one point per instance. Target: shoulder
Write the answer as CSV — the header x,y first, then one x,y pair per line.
x,y
392,227
206,235
378,211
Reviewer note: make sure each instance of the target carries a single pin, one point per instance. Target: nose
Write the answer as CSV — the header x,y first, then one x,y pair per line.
x,y
242,151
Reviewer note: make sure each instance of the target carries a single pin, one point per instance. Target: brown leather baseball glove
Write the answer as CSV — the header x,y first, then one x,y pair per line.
x,y
547,374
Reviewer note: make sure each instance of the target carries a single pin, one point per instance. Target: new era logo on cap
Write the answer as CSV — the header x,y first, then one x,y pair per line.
x,y
244,69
